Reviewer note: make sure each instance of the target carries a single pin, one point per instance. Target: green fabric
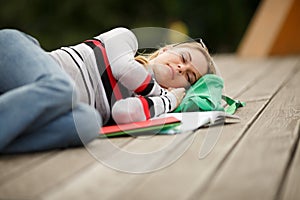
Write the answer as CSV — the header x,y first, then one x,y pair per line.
x,y
204,95
233,104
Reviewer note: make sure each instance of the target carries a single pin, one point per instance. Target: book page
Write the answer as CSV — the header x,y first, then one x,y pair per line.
x,y
191,121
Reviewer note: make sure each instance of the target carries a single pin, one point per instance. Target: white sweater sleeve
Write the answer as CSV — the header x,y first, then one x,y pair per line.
x,y
135,109
121,46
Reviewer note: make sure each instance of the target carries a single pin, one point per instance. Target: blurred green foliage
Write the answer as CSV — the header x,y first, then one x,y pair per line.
x,y
58,23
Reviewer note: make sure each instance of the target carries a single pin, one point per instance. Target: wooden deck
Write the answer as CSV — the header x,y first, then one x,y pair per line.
x,y
258,158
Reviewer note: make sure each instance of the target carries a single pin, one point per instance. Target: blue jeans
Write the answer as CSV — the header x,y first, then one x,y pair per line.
x,y
38,105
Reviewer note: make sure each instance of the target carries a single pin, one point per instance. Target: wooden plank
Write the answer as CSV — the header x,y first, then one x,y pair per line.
x,y
257,165
251,72
226,65
282,66
51,172
14,165
290,189
239,74
272,30
172,181
44,175
92,184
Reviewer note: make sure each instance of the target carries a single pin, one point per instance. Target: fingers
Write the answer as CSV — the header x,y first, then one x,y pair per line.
x,y
179,93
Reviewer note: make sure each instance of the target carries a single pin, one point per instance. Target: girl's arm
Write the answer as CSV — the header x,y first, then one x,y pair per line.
x,y
121,46
140,108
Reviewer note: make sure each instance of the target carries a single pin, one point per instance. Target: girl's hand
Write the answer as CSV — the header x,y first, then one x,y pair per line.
x,y
179,93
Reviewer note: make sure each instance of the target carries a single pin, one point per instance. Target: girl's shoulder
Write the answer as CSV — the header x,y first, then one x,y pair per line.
x,y
119,35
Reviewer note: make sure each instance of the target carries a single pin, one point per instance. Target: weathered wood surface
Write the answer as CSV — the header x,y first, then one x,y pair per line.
x,y
258,158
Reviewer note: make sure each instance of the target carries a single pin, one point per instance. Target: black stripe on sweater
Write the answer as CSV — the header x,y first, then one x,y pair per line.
x,y
82,75
103,73
151,106
148,88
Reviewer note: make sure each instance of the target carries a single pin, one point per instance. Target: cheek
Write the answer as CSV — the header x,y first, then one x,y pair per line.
x,y
179,82
160,75
166,57
162,58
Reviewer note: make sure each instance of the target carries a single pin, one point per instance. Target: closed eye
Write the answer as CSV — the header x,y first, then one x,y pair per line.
x,y
183,58
188,78
191,77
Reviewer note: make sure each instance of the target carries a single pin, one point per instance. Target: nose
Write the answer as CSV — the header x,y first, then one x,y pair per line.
x,y
181,68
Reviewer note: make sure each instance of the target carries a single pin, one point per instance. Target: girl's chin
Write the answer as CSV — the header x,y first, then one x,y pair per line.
x,y
162,84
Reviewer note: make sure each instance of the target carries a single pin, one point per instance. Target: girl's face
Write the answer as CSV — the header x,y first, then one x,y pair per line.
x,y
177,67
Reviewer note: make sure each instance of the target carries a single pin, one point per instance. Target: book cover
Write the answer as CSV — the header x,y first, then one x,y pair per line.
x,y
136,128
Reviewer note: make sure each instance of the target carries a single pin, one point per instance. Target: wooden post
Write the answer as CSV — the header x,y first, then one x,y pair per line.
x,y
274,30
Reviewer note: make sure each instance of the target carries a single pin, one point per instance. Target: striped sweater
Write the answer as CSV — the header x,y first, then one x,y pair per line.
x,y
107,77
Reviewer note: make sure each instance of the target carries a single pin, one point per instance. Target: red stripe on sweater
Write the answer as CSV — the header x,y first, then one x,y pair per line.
x,y
112,80
145,107
143,85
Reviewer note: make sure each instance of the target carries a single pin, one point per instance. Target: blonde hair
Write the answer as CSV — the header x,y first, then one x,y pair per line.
x,y
211,66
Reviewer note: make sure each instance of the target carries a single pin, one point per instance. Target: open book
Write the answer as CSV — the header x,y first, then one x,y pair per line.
x,y
191,121
170,123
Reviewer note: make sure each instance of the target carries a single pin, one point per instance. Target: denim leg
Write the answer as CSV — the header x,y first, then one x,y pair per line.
x,y
23,61
34,90
72,129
